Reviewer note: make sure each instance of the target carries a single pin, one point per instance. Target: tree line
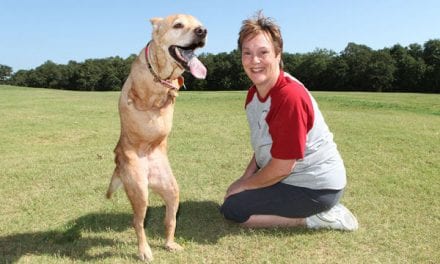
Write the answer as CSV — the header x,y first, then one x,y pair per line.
x,y
414,68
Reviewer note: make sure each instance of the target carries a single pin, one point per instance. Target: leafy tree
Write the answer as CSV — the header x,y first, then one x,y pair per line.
x,y
34,79
49,75
220,69
109,82
291,62
19,78
431,56
5,73
335,77
415,50
312,69
357,58
410,68
239,77
379,71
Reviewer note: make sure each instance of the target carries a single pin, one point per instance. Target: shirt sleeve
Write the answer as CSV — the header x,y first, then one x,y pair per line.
x,y
290,119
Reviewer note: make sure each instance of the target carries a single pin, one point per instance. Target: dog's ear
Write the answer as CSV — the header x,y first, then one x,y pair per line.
x,y
155,22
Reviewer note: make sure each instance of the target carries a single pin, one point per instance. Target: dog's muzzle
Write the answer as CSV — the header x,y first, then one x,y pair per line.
x,y
185,56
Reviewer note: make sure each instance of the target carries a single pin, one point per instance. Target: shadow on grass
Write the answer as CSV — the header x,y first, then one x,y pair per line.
x,y
198,222
66,241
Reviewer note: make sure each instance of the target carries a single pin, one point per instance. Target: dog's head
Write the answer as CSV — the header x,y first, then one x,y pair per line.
x,y
178,36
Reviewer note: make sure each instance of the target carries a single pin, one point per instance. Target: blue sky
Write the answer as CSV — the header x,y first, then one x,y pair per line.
x,y
34,31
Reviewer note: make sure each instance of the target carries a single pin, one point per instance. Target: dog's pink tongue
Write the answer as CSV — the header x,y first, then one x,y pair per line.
x,y
197,68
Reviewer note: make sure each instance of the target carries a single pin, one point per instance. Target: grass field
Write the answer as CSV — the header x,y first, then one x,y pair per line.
x,y
56,162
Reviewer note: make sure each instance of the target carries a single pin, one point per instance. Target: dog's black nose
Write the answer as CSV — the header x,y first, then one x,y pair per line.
x,y
201,32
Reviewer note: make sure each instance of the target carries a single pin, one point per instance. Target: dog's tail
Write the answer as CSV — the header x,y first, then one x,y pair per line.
x,y
115,183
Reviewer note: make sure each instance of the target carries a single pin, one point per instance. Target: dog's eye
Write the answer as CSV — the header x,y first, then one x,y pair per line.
x,y
178,25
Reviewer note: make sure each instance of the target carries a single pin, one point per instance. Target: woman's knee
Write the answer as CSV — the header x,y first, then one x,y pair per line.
x,y
232,210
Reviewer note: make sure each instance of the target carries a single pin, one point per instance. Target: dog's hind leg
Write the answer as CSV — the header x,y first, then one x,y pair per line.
x,y
171,199
168,189
115,183
135,180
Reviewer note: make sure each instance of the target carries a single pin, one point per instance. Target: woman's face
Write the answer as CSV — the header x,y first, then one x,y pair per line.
x,y
260,62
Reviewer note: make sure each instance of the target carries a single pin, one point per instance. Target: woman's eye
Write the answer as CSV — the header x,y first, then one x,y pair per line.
x,y
263,54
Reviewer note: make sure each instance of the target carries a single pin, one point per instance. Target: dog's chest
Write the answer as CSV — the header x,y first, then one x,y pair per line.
x,y
150,126
159,123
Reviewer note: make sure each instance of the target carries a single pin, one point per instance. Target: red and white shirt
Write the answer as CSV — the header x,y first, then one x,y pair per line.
x,y
287,124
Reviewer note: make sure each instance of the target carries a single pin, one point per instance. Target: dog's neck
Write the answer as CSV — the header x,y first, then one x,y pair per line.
x,y
168,82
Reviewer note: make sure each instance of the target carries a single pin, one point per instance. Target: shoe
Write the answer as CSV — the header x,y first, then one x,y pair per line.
x,y
338,217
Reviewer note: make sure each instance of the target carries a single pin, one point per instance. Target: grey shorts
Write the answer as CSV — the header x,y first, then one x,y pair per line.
x,y
279,199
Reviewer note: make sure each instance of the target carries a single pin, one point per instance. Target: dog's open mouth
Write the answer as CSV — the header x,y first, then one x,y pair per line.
x,y
187,59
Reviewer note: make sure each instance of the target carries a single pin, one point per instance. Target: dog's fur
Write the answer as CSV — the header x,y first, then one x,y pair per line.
x,y
146,108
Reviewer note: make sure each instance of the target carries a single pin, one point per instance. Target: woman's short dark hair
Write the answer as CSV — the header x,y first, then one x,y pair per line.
x,y
261,24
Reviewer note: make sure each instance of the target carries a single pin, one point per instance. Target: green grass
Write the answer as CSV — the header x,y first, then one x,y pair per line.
x,y
56,162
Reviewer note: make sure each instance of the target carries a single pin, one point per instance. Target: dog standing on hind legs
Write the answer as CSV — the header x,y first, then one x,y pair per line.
x,y
146,106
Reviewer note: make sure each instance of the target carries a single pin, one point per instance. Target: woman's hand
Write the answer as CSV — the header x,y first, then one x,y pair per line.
x,y
236,187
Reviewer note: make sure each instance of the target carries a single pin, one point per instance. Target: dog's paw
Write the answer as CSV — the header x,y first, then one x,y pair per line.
x,y
146,255
173,246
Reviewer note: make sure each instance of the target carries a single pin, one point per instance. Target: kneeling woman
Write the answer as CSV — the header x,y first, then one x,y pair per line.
x,y
296,176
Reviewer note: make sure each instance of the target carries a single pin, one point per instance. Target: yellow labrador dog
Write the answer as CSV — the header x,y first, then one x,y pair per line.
x,y
146,108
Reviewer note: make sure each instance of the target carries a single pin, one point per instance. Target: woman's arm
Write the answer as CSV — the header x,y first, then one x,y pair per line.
x,y
275,171
251,169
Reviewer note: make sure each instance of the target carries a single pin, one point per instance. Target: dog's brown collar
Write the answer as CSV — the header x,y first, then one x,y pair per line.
x,y
168,83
